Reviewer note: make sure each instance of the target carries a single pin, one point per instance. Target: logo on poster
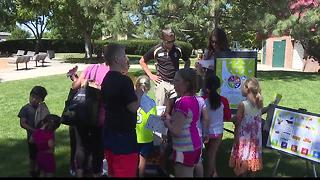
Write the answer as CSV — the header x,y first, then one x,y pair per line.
x,y
234,82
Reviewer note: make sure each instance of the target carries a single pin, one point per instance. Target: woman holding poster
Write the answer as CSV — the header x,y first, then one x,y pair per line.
x,y
218,42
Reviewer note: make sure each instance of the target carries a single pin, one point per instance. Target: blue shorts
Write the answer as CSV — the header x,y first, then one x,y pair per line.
x,y
145,149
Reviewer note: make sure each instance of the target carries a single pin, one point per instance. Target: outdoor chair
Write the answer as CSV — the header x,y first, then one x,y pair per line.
x,y
19,53
40,57
24,58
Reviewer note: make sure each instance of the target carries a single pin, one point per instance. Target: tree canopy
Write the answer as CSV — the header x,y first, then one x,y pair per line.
x,y
248,22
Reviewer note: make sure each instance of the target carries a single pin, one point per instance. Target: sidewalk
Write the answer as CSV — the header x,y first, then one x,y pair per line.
x,y
8,71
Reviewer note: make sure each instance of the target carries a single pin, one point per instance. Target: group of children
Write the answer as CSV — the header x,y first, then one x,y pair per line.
x,y
40,126
194,122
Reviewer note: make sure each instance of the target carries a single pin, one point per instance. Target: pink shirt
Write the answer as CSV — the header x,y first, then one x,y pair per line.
x,y
101,72
189,138
90,72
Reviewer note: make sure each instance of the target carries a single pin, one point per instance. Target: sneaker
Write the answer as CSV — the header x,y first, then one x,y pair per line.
x,y
72,172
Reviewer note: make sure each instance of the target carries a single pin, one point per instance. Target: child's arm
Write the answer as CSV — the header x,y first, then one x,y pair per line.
x,y
176,126
239,116
51,145
24,125
205,124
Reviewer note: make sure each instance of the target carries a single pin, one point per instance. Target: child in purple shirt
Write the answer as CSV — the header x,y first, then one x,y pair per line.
x,y
44,139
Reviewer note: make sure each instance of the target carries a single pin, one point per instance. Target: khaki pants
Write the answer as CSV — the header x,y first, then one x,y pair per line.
x,y
162,90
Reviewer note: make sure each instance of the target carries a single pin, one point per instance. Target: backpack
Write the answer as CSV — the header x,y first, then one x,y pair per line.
x,y
83,107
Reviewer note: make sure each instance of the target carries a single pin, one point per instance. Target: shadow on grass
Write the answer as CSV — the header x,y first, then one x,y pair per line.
x,y
287,75
290,166
14,156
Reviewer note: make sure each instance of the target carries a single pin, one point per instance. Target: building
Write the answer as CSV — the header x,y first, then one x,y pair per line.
x,y
283,52
4,36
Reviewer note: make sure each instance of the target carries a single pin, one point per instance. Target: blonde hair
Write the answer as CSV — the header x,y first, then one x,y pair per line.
x,y
143,82
252,85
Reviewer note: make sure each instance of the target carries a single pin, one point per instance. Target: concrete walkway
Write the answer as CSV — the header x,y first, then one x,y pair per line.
x,y
8,70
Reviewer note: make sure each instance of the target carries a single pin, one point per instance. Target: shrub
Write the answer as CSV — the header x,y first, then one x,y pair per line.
x,y
136,47
140,47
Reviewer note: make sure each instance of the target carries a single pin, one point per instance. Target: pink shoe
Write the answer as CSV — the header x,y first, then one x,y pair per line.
x,y
72,71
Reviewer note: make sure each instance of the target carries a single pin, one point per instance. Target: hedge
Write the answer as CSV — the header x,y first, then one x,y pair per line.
x,y
60,46
135,47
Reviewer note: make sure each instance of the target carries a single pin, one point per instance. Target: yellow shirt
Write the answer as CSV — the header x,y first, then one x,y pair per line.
x,y
144,135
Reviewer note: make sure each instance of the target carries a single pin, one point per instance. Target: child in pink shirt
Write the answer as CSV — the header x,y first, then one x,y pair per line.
x,y
182,125
44,139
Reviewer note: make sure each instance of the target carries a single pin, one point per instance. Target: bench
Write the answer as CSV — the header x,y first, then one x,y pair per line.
x,y
20,53
40,57
22,59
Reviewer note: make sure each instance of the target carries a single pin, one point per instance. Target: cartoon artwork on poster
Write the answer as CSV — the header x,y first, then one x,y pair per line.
x,y
232,73
295,133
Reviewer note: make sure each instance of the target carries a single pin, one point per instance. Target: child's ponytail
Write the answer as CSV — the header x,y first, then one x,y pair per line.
x,y
212,84
259,100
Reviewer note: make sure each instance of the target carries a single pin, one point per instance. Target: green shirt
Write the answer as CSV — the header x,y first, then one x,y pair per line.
x,y
144,135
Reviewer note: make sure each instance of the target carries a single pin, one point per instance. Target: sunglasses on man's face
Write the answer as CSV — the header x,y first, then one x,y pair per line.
x,y
169,42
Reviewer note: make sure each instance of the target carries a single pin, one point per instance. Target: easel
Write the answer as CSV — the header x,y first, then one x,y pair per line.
x,y
307,165
307,161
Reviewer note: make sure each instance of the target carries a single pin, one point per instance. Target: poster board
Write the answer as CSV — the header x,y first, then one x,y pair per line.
x,y
295,133
233,68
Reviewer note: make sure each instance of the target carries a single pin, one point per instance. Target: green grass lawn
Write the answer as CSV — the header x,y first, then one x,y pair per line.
x,y
298,90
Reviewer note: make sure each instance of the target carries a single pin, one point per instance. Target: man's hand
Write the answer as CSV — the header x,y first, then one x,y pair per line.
x,y
155,78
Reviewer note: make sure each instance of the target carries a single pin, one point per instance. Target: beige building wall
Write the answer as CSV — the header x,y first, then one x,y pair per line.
x,y
288,50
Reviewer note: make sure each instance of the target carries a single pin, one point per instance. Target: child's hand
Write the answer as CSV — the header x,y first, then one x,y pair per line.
x,y
139,92
205,139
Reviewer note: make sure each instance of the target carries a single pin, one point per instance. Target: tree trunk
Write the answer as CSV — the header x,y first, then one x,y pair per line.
x,y
38,45
87,45
216,18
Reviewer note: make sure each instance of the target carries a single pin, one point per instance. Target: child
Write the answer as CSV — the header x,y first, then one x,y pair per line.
x,y
182,124
27,116
144,136
43,137
218,111
246,154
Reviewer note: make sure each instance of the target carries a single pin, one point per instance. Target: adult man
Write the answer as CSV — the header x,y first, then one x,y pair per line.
x,y
167,56
121,105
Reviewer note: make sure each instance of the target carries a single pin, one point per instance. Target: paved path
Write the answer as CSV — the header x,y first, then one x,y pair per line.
x,y
8,71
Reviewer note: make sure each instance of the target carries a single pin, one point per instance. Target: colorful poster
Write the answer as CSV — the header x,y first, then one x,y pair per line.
x,y
295,133
232,73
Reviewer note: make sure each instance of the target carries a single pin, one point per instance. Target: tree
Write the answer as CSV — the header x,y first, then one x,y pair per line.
x,y
7,15
191,19
19,33
34,15
78,18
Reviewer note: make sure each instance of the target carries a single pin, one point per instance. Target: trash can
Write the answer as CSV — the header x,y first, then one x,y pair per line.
x,y
50,54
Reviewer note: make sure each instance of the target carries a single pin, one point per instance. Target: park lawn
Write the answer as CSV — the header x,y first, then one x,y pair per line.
x,y
298,90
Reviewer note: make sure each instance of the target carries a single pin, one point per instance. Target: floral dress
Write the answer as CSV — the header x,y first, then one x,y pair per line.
x,y
247,155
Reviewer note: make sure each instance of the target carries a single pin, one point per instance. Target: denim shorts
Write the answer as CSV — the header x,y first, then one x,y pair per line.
x,y
145,149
